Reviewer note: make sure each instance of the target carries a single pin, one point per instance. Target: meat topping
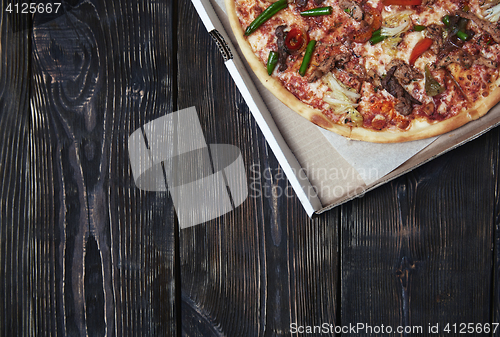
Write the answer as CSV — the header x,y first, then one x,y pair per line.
x,y
465,60
485,25
339,57
282,50
404,73
352,8
460,57
435,32
404,99
301,3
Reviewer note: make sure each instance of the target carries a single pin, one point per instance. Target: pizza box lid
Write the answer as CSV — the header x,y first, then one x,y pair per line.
x,y
325,169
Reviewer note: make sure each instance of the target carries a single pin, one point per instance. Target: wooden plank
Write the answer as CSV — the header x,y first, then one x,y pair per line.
x,y
495,300
16,226
104,251
265,265
417,251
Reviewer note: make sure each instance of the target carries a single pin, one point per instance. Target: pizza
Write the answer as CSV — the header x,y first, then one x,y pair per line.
x,y
375,70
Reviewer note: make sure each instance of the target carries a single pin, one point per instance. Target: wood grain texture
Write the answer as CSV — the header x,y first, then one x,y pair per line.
x,y
256,270
418,251
495,289
84,252
100,71
18,246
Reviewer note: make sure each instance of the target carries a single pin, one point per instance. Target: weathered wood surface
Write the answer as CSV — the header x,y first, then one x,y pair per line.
x,y
17,234
249,272
419,250
84,252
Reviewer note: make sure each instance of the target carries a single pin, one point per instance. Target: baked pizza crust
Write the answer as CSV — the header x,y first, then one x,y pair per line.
x,y
422,129
419,129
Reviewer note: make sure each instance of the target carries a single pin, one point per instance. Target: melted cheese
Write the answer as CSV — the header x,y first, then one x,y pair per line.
x,y
331,29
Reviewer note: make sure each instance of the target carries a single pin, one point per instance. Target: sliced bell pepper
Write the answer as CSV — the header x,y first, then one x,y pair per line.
x,y
432,86
419,49
376,37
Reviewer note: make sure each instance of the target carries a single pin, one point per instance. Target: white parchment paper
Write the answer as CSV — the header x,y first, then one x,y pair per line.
x,y
373,161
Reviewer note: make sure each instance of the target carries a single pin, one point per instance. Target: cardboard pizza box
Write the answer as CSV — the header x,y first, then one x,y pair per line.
x,y
325,169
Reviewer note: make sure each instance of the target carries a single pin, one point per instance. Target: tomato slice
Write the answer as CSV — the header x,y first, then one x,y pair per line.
x,y
402,2
376,17
295,39
365,33
419,49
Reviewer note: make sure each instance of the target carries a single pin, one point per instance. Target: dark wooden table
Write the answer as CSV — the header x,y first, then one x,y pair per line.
x,y
85,252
